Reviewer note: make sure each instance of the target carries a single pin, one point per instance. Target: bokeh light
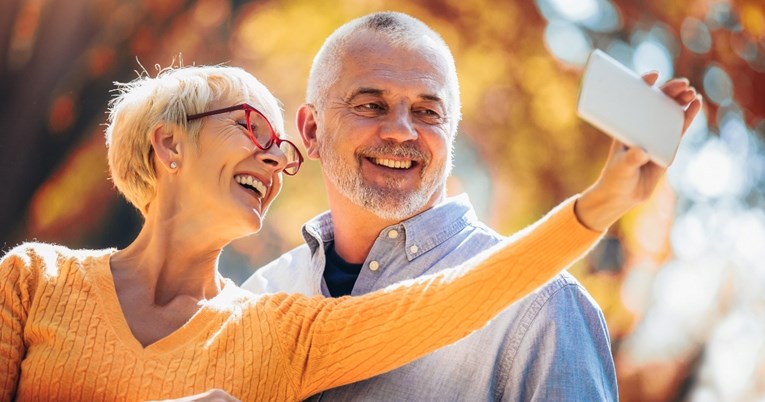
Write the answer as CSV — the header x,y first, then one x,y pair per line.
x,y
695,35
717,85
653,55
567,42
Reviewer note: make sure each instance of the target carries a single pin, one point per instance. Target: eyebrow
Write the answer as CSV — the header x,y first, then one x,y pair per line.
x,y
381,92
364,91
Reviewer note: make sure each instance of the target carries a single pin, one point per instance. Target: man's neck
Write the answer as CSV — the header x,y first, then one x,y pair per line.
x,y
356,228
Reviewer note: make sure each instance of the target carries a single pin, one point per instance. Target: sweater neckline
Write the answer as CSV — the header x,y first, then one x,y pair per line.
x,y
193,328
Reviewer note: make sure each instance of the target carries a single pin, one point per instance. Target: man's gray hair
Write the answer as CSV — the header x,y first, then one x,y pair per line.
x,y
401,30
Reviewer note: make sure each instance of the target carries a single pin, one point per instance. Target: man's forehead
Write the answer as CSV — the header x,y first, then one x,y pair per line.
x,y
385,69
379,44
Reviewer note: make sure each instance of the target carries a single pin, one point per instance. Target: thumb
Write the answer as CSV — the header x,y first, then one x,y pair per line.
x,y
651,77
636,157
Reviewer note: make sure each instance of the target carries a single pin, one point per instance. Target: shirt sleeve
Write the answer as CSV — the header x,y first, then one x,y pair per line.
x,y
16,291
333,342
291,273
565,353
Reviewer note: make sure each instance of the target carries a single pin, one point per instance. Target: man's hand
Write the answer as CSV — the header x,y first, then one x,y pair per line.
x,y
213,395
629,177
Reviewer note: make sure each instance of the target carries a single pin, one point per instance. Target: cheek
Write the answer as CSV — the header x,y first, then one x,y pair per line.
x,y
350,128
276,188
439,144
330,143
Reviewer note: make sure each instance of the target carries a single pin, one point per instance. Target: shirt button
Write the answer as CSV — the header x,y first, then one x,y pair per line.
x,y
413,249
393,234
374,265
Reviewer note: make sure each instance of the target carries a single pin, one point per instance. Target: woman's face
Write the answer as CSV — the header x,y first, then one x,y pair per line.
x,y
227,182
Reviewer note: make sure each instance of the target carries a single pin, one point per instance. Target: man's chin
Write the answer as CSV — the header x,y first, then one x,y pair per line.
x,y
394,205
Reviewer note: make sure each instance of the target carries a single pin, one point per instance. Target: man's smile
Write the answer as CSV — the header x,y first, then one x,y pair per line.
x,y
393,164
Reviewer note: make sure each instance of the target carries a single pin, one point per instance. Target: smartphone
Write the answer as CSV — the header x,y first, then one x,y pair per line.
x,y
618,102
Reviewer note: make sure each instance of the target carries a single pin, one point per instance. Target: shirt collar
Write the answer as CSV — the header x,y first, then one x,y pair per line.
x,y
318,231
421,232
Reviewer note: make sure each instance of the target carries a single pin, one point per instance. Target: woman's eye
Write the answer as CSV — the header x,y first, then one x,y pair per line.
x,y
252,127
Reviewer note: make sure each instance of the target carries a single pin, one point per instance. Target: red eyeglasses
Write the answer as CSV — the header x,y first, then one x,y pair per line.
x,y
262,134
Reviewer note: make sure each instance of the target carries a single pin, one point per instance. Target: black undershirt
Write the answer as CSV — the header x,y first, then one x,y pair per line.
x,y
339,275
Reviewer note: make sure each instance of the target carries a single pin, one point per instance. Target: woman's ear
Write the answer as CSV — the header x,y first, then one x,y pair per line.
x,y
166,141
306,123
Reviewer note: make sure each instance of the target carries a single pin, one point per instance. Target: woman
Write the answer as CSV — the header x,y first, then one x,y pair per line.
x,y
193,150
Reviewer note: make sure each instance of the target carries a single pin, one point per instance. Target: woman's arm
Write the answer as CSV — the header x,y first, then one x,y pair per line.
x,y
331,342
16,291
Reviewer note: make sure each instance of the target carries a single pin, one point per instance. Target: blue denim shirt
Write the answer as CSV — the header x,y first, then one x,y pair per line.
x,y
552,345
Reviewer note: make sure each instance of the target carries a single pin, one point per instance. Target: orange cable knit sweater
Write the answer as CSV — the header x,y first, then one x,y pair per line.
x,y
63,336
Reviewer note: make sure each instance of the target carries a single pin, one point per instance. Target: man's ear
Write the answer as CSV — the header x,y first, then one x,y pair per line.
x,y
165,139
306,124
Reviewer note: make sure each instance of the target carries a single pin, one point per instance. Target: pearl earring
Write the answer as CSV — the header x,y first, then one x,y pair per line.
x,y
173,165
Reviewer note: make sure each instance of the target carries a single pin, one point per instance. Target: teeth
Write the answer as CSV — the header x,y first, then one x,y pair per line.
x,y
251,182
392,164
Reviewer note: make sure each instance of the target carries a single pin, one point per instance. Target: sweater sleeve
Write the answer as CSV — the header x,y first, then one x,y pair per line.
x,y
16,292
333,342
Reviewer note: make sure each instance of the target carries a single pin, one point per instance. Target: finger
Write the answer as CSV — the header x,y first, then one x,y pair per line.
x,y
675,87
686,96
651,77
691,112
616,148
636,157
652,173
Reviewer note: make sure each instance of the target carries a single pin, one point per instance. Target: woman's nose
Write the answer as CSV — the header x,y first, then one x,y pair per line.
x,y
272,157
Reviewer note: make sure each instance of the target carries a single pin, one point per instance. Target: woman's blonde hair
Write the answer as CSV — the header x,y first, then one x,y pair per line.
x,y
145,103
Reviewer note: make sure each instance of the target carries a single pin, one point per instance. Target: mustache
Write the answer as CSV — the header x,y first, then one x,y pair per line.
x,y
404,150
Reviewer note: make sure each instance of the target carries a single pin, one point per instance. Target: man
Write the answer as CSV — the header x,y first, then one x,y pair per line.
x,y
381,116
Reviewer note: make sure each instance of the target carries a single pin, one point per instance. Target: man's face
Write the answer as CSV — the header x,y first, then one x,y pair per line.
x,y
384,132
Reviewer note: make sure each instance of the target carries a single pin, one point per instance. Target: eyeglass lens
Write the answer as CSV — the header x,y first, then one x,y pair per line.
x,y
262,133
293,157
260,129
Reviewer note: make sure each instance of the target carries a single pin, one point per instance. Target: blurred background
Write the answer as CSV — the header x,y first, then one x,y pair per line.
x,y
681,280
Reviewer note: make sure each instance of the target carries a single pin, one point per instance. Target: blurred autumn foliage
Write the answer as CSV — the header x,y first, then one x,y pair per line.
x,y
521,147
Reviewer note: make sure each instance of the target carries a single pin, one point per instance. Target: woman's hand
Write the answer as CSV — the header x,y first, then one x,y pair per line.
x,y
213,395
629,176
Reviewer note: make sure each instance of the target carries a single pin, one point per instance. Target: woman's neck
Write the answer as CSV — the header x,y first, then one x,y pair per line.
x,y
170,258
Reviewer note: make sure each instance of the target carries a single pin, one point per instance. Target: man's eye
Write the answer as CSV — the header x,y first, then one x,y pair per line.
x,y
370,107
429,116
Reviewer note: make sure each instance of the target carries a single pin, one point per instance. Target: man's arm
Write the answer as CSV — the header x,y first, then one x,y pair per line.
x,y
565,353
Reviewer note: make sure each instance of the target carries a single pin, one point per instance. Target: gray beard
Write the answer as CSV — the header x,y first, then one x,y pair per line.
x,y
389,201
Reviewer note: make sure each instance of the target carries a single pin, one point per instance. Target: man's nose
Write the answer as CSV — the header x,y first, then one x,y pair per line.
x,y
399,125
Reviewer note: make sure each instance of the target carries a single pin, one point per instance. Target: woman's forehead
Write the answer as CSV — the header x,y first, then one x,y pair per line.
x,y
233,99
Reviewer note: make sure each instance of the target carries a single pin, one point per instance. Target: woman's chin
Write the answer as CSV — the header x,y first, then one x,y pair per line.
x,y
253,225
